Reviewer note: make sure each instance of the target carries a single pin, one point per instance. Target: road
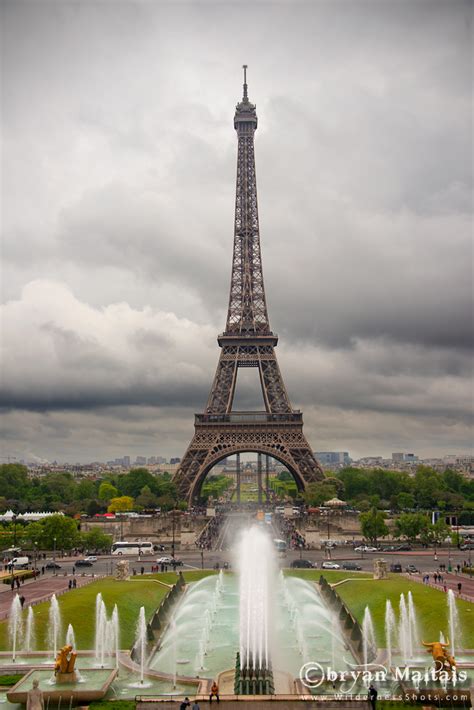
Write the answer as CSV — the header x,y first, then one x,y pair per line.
x,y
422,559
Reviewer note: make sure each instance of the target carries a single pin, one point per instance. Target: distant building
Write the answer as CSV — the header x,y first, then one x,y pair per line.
x,y
177,459
126,460
333,458
401,457
140,460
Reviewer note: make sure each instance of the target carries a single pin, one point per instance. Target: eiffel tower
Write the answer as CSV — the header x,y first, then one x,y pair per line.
x,y
247,342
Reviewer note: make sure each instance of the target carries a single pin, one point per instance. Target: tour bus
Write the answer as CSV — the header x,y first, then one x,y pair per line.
x,y
133,548
280,545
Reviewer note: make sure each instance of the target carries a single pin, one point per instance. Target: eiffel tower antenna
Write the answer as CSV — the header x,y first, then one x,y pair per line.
x,y
245,96
247,341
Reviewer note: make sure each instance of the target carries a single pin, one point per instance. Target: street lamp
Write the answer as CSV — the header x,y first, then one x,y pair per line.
x,y
173,528
54,555
14,529
36,552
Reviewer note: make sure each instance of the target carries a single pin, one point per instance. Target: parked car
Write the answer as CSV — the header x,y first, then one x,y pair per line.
x,y
404,547
304,564
351,565
169,561
91,558
412,569
330,565
52,565
395,568
83,563
467,546
365,548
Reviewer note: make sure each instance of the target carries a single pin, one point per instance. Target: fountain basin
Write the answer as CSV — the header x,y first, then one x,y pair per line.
x,y
93,685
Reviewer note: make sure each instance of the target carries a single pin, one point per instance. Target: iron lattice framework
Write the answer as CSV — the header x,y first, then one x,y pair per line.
x,y
247,342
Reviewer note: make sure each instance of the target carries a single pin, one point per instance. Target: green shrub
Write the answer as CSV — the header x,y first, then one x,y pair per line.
x,y
9,680
22,574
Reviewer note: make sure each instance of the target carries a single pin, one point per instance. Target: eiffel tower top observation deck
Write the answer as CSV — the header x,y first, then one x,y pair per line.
x,y
247,342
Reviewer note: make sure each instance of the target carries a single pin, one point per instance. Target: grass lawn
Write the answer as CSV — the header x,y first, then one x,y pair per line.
x,y
430,604
78,607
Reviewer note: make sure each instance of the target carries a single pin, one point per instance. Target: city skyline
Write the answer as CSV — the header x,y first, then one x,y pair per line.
x,y
119,207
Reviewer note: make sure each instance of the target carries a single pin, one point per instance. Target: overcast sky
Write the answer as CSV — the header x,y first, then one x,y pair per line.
x,y
118,192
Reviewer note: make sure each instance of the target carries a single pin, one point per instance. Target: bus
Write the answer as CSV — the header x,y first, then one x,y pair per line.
x,y
133,548
280,545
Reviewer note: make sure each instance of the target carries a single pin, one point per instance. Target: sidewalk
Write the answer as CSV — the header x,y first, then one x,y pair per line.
x,y
451,580
40,590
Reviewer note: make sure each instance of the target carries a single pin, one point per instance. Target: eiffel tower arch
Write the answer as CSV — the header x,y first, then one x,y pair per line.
x,y
247,341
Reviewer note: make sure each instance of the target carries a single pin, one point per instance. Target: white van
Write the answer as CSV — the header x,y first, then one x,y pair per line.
x,y
19,563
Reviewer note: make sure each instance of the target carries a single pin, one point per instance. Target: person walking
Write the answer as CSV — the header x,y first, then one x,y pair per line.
x,y
22,601
372,696
195,706
214,692
459,587
185,704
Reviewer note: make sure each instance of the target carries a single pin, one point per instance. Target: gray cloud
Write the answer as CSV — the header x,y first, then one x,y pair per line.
x,y
120,154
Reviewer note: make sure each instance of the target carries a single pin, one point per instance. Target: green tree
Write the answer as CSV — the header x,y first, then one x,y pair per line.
x,y
64,529
107,491
121,504
146,499
405,500
318,493
85,490
14,481
411,525
97,540
131,483
373,524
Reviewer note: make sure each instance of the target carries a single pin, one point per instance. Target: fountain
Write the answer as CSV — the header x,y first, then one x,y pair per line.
x,y
54,625
140,649
390,631
106,634
369,647
257,578
70,636
404,631
15,625
453,618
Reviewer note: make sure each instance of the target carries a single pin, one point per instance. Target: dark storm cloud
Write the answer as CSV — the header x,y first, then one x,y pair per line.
x,y
118,221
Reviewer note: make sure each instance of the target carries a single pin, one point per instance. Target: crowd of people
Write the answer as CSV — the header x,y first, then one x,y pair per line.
x,y
211,532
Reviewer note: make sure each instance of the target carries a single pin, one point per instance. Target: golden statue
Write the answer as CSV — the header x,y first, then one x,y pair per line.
x,y
65,661
443,661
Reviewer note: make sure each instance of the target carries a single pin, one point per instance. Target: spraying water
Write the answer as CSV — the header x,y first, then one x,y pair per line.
x,y
256,581
29,642
141,642
453,618
368,637
99,608
54,630
413,624
404,633
390,630
70,636
116,634
15,625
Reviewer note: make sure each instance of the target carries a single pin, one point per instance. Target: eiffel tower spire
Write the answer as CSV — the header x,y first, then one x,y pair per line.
x,y
247,342
247,313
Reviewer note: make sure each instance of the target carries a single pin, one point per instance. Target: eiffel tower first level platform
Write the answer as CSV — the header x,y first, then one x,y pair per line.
x,y
246,342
